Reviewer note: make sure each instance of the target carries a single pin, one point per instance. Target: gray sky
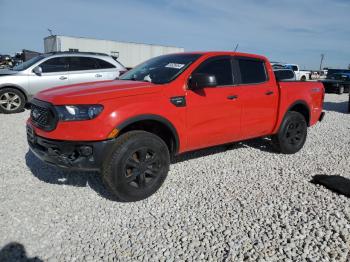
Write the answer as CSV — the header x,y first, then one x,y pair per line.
x,y
287,31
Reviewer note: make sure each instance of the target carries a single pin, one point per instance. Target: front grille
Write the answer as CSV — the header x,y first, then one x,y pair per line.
x,y
42,115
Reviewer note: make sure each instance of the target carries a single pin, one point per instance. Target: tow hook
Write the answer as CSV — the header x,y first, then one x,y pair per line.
x,y
66,159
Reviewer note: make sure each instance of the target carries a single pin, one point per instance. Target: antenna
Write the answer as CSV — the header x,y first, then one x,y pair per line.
x,y
50,31
236,48
322,58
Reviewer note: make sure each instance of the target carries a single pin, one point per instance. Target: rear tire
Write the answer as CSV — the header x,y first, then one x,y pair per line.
x,y
303,78
11,101
137,166
292,134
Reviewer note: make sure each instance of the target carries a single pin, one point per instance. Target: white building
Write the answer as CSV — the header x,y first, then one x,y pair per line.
x,y
129,54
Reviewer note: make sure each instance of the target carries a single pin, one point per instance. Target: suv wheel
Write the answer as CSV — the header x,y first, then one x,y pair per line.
x,y
303,78
11,101
137,166
292,134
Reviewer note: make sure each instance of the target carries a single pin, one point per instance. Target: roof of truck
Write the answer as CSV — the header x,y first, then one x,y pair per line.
x,y
231,53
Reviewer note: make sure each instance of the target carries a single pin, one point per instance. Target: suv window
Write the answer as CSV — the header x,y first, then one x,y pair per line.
x,y
104,64
57,64
252,71
220,67
77,63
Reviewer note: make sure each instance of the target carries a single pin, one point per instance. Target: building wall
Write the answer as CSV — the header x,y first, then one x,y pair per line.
x,y
50,44
130,54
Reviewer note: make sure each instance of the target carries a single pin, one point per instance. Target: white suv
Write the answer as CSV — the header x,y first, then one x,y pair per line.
x,y
19,84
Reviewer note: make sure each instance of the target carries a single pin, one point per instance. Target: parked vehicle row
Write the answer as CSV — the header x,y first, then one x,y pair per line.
x,y
337,81
6,61
284,74
129,129
300,75
285,70
20,83
318,74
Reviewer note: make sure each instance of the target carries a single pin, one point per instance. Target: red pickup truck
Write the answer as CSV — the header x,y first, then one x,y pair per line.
x,y
128,129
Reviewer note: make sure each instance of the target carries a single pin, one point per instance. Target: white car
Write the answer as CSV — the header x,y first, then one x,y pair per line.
x,y
300,75
20,83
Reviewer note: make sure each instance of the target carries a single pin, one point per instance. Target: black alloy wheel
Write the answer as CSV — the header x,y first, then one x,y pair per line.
x,y
292,134
137,166
142,168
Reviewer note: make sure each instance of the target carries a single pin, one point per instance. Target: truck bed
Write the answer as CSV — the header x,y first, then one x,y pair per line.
x,y
309,93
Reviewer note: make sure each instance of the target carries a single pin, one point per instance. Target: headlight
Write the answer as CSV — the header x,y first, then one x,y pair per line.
x,y
78,112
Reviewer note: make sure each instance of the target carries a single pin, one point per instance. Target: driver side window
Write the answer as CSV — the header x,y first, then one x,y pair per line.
x,y
220,67
53,65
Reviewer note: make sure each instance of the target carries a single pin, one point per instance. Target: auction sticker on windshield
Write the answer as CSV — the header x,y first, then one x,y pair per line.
x,y
175,65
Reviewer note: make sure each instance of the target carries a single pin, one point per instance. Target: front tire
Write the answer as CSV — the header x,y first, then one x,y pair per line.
x,y
11,101
292,134
137,166
303,78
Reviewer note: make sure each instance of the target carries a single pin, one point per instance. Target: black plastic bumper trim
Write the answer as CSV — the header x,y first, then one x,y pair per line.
x,y
66,154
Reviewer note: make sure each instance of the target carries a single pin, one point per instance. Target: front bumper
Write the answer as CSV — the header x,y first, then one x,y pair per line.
x,y
74,155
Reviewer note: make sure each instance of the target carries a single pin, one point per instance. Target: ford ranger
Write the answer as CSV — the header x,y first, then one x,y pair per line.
x,y
128,129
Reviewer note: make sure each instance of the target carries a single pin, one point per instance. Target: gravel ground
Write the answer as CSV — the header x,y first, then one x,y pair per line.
x,y
232,203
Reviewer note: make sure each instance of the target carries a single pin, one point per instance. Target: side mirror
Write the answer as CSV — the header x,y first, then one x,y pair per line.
x,y
198,81
38,70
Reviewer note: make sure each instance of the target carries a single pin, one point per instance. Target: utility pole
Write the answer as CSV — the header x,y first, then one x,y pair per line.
x,y
322,58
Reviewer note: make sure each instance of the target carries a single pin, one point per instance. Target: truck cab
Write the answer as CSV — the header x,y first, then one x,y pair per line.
x,y
128,129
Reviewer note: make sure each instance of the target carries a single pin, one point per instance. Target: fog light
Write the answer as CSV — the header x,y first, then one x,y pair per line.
x,y
85,150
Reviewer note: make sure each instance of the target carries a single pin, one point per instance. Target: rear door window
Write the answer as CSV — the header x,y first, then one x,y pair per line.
x,y
104,64
220,67
55,65
252,71
77,63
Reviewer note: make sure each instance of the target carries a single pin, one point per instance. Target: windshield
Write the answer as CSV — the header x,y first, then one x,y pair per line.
x,y
29,63
161,69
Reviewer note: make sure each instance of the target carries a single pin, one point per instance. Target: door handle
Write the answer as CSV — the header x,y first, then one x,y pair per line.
x,y
98,75
63,78
268,93
232,97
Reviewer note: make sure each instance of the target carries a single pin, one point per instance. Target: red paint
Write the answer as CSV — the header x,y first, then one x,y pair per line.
x,y
208,119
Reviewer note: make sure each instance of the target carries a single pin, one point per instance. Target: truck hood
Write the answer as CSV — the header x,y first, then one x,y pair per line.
x,y
6,72
89,93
